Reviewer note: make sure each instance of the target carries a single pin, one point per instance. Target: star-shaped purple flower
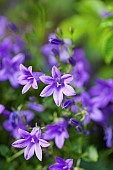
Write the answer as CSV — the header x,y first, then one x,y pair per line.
x,y
58,85
17,120
62,164
57,131
32,142
28,78
10,69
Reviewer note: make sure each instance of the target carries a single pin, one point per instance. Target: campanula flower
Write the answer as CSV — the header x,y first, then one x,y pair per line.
x,y
10,69
32,142
16,120
102,92
58,85
2,107
62,164
108,136
58,132
28,78
3,24
80,75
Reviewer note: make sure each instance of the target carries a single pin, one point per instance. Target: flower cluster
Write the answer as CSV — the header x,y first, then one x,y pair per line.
x,y
76,102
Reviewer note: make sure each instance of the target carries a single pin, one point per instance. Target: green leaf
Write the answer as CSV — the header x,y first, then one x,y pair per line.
x,y
108,49
3,150
91,154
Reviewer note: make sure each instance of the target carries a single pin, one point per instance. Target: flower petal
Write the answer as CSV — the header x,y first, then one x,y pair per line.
x,y
59,140
47,91
21,143
36,75
22,80
38,151
55,72
30,69
23,69
46,79
34,85
58,97
23,133
68,90
3,74
67,78
70,163
43,143
56,167
59,160
26,88
18,59
2,107
14,80
29,151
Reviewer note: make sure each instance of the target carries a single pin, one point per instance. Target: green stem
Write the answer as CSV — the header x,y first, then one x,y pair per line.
x,y
15,155
78,162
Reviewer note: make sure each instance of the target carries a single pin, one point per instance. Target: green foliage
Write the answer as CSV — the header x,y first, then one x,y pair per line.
x,y
90,154
4,150
108,49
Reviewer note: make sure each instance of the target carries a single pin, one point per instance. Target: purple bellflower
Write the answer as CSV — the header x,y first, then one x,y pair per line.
x,y
62,164
58,85
35,106
32,104
108,137
62,46
56,47
76,124
32,142
5,48
2,107
68,103
10,69
3,24
80,75
56,41
57,131
17,120
106,14
28,78
102,92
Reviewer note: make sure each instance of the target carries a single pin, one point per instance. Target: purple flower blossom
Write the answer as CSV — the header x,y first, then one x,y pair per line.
x,y
17,120
62,164
3,24
106,14
28,78
35,106
108,137
57,47
77,124
56,41
80,75
10,69
12,26
102,92
58,85
80,56
74,122
57,131
6,48
2,107
67,104
32,142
